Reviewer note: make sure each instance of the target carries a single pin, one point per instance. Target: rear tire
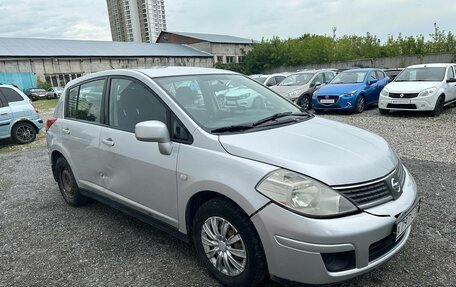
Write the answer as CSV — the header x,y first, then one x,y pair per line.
x,y
67,184
227,243
23,133
439,105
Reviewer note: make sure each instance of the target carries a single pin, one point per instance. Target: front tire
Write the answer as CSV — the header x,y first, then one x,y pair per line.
x,y
383,111
360,104
67,184
304,102
23,133
439,105
227,243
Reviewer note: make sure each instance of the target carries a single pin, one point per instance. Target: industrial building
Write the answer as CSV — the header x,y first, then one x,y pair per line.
x,y
59,61
224,48
136,20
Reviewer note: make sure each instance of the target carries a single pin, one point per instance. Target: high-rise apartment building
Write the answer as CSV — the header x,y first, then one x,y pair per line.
x,y
136,20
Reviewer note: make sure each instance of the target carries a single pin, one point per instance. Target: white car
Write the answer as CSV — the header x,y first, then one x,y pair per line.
x,y
426,87
270,80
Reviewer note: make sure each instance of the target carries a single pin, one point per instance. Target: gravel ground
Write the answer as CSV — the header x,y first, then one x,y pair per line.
x,y
45,242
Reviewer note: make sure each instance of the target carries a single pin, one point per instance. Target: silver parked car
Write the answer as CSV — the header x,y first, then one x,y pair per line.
x,y
19,118
299,87
332,203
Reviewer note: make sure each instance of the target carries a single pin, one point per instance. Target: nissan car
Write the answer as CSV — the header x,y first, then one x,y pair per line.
x,y
332,203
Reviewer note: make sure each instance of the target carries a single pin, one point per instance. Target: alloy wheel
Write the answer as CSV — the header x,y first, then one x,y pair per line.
x,y
25,133
224,246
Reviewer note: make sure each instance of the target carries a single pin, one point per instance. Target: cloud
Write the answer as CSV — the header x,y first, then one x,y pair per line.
x,y
253,19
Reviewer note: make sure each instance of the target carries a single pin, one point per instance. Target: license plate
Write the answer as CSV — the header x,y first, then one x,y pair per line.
x,y
405,221
401,101
327,101
230,102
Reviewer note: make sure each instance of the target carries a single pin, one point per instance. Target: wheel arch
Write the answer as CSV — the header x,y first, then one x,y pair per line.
x,y
55,155
199,199
24,120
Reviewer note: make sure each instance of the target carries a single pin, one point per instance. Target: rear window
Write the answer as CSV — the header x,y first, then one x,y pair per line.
x,y
10,95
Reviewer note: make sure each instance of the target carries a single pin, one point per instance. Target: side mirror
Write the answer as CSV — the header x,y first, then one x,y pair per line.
x,y
317,84
154,131
451,80
373,81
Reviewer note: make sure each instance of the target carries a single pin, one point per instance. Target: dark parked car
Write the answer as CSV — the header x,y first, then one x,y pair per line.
x,y
54,92
392,73
35,93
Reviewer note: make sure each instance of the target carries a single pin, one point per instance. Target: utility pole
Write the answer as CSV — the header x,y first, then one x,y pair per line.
x,y
334,32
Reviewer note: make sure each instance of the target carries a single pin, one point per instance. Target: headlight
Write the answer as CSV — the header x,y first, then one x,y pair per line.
x,y
427,92
294,94
314,94
350,94
303,194
384,92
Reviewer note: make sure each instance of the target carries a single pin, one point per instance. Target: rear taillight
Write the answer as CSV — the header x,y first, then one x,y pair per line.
x,y
50,122
36,109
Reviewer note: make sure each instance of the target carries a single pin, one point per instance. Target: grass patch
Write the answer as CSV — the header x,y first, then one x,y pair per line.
x,y
7,145
44,104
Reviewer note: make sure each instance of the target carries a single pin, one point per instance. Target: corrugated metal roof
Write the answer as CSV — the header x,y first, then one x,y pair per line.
x,y
29,47
214,38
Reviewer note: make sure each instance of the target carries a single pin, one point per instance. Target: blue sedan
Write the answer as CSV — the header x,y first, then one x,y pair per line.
x,y
351,90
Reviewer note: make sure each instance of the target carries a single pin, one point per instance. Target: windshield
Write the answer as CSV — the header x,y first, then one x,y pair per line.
x,y
424,74
219,101
296,79
260,79
349,77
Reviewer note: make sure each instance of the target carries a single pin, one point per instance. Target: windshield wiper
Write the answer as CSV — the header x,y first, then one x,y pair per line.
x,y
232,128
279,115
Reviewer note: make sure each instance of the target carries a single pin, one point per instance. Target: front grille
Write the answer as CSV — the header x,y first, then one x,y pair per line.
x,y
404,95
375,192
368,193
402,106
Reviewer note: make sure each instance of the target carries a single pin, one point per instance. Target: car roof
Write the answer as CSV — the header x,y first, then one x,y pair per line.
x,y
432,65
360,70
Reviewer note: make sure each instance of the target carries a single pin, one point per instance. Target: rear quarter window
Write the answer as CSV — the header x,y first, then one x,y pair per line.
x,y
10,95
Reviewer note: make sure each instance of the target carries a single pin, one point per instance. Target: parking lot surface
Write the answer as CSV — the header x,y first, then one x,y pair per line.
x,y
45,242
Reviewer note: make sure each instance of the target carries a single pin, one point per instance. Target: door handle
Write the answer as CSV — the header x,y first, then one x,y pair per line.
x,y
66,130
4,114
108,142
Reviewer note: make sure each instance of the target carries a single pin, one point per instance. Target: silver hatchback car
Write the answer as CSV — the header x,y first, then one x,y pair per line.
x,y
260,190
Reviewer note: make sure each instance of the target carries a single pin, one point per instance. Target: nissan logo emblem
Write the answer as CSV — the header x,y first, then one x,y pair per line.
x,y
396,185
401,95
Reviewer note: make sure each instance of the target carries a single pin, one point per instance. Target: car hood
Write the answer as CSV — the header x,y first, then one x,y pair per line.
x,y
283,90
332,152
338,89
410,87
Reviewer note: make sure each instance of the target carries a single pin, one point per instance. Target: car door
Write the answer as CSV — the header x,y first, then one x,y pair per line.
x,y
371,92
132,171
450,92
80,129
6,117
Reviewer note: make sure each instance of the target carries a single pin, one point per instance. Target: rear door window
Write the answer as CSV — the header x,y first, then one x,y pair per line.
x,y
84,101
380,75
10,95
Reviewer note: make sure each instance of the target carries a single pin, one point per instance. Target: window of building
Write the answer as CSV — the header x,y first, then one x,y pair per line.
x,y
230,59
241,59
219,59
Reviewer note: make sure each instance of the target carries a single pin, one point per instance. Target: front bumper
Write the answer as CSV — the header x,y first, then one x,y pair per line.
x,y
297,247
341,103
412,104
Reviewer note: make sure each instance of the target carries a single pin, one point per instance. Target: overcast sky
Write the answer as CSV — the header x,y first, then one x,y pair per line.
x,y
253,19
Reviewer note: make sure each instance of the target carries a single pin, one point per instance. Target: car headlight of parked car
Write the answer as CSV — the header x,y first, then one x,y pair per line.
x,y
384,92
427,92
294,94
303,194
350,94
